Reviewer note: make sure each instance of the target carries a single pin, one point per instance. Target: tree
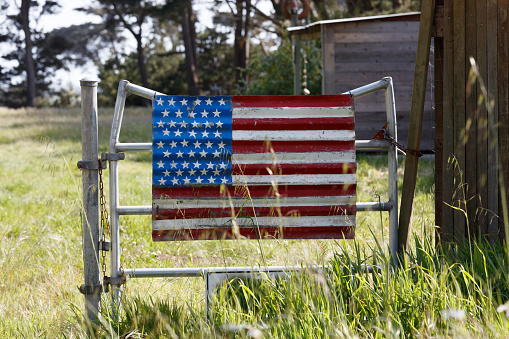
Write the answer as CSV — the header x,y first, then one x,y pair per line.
x,y
132,15
181,13
272,74
33,55
29,58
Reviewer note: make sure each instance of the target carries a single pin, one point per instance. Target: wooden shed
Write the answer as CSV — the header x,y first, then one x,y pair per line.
x,y
358,51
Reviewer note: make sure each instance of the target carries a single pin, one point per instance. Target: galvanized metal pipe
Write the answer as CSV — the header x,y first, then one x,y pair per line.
x,y
118,114
361,207
190,272
390,107
114,194
133,147
372,145
141,91
373,206
368,89
134,210
89,153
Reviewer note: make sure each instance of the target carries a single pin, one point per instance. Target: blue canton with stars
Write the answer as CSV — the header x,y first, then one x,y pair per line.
x,y
192,141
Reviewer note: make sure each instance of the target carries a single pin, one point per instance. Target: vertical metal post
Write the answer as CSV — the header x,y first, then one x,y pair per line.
x,y
114,193
390,107
296,56
89,136
297,82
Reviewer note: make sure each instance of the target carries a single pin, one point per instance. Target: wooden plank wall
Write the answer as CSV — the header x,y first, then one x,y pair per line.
x,y
468,135
367,51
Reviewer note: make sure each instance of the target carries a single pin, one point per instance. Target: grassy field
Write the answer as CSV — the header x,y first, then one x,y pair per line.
x,y
435,294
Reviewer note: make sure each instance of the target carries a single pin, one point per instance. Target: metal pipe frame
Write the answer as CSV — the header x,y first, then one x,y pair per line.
x,y
125,88
386,84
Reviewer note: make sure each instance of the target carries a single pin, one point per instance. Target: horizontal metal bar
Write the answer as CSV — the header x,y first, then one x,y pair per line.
x,y
134,210
133,147
373,206
164,272
359,145
361,206
368,89
141,91
202,271
371,145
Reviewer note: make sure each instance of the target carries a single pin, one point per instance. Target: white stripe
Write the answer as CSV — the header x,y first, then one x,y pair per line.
x,y
182,204
291,112
294,158
299,135
211,223
315,179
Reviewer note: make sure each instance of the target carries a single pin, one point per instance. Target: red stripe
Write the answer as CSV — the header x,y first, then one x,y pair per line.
x,y
288,169
305,124
320,232
252,191
293,101
264,146
284,211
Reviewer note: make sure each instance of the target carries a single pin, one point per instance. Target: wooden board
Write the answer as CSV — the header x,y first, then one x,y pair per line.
x,y
492,82
470,116
377,26
459,116
328,75
448,123
503,106
482,118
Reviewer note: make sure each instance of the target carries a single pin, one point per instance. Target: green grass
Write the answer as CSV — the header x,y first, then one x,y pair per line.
x,y
41,261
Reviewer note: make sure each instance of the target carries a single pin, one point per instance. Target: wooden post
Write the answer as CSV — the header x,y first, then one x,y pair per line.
x,y
415,126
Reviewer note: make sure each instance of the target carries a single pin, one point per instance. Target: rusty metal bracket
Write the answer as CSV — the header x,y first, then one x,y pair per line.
x,y
384,134
91,290
112,156
117,281
91,165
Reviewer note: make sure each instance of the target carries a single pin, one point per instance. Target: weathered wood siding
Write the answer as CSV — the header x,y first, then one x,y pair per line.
x,y
356,53
471,141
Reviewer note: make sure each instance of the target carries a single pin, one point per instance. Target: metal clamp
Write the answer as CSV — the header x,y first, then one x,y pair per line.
x,y
104,246
90,165
91,289
117,281
112,156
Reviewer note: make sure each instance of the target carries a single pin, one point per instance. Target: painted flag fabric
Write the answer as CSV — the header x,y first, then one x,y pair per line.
x,y
254,167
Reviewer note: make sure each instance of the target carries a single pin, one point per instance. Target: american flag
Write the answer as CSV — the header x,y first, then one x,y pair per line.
x,y
255,167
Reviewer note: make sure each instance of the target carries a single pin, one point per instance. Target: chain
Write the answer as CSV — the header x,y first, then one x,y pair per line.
x,y
384,134
105,220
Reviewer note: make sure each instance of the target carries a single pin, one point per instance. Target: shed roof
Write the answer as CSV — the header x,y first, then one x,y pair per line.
x,y
312,30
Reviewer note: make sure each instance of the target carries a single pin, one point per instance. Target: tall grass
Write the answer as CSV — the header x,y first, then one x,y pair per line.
x,y
454,293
